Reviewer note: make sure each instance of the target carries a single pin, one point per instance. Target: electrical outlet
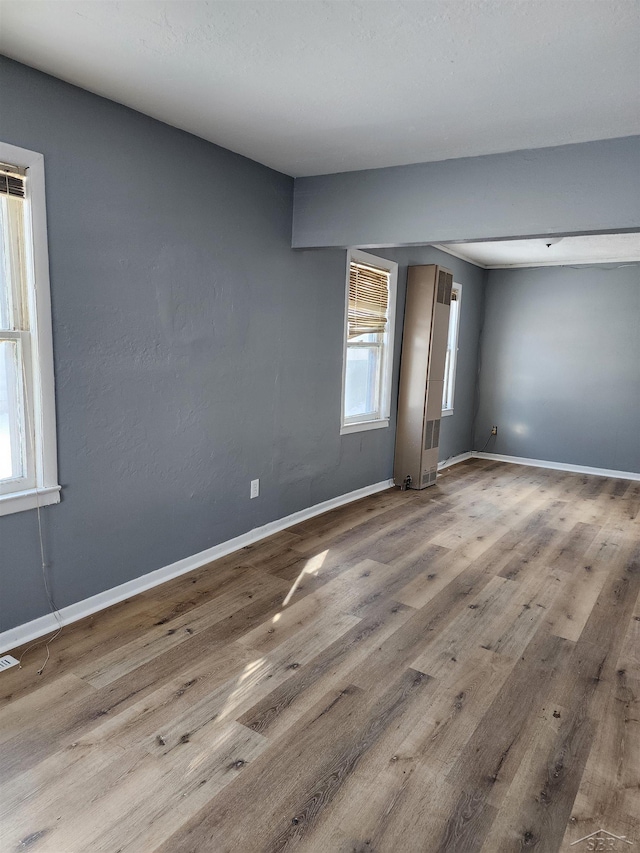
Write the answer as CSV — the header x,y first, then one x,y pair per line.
x,y
7,661
494,430
255,489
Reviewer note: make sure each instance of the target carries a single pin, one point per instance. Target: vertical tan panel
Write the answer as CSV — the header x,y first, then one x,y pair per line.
x,y
424,345
439,341
433,407
416,342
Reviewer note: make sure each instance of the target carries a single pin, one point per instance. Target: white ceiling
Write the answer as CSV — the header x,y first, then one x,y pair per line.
x,y
315,87
588,249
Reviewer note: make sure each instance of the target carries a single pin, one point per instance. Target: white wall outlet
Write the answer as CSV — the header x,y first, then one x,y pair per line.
x,y
255,489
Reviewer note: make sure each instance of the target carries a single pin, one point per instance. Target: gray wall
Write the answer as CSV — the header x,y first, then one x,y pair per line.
x,y
591,186
194,350
560,372
456,432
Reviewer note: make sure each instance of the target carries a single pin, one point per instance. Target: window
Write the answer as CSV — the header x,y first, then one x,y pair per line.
x,y
368,341
28,471
452,351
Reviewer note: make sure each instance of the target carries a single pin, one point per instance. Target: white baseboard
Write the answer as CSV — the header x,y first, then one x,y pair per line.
x,y
558,466
454,460
29,631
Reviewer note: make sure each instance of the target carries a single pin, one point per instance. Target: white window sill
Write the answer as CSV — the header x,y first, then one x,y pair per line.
x,y
29,499
446,412
364,425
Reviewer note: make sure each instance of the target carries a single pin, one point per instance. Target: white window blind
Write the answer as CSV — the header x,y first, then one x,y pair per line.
x,y
368,300
12,180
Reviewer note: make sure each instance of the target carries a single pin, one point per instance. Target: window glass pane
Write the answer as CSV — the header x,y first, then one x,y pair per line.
x,y
447,381
453,324
450,359
371,338
362,381
12,448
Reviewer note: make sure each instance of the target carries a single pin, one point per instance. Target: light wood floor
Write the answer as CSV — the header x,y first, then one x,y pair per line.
x,y
456,669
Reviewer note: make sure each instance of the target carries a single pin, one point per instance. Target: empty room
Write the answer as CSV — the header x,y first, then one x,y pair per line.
x,y
319,426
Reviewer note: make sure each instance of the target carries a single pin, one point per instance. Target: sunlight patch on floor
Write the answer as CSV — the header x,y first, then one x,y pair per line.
x,y
312,567
252,674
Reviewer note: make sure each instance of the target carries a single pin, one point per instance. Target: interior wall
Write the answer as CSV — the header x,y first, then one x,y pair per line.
x,y
194,350
560,365
456,430
588,186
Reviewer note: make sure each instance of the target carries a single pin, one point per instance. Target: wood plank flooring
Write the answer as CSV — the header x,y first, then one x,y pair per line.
x,y
456,669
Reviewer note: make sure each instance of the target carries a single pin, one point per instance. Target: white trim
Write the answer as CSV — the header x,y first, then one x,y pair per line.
x,y
454,460
445,413
540,463
28,499
566,262
46,466
385,394
456,349
559,466
363,425
449,251
532,264
45,624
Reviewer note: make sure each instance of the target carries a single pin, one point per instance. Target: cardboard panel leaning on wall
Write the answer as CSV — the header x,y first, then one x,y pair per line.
x,y
560,368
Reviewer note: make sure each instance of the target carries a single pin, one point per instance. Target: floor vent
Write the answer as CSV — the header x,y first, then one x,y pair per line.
x,y
429,477
436,433
7,661
428,435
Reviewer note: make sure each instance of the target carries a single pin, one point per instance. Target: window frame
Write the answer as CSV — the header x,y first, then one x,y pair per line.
x,y
382,418
456,349
43,488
